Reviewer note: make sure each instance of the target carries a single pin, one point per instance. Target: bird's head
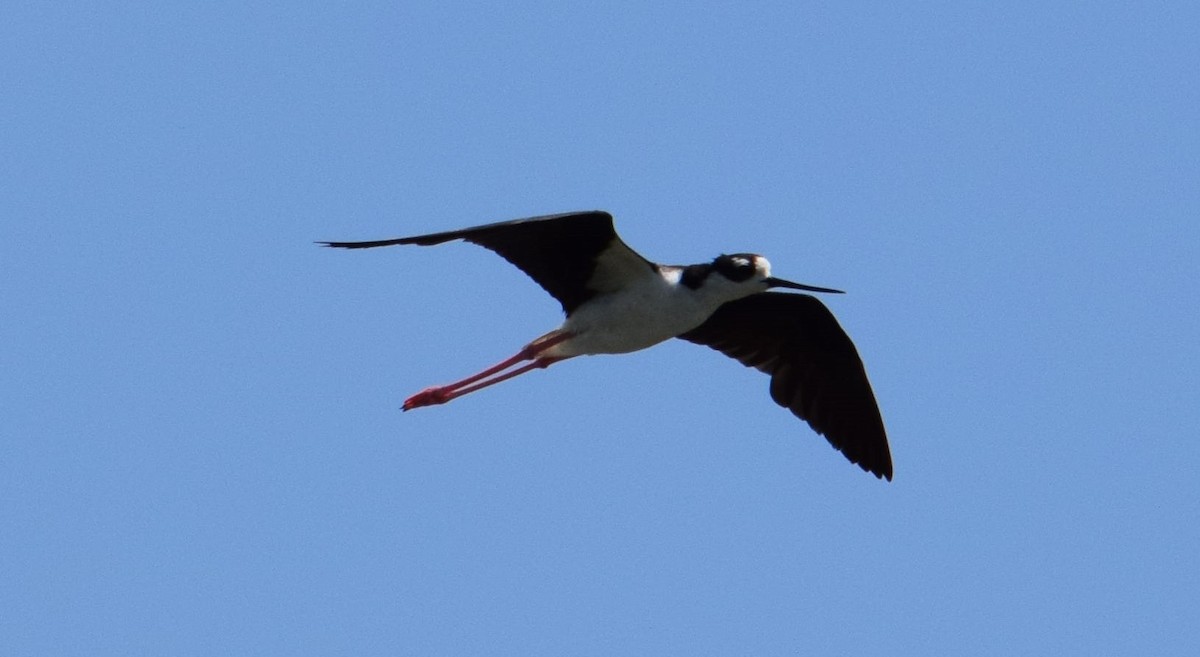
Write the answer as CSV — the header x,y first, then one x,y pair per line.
x,y
751,273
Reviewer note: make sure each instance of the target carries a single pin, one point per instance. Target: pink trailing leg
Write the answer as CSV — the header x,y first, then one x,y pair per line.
x,y
531,351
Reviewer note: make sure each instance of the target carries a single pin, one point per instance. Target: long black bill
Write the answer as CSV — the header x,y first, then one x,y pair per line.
x,y
779,282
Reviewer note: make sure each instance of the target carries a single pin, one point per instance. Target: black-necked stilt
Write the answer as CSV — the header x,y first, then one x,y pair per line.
x,y
616,302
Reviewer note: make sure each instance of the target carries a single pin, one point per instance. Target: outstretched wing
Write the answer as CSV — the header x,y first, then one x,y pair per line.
x,y
573,256
815,370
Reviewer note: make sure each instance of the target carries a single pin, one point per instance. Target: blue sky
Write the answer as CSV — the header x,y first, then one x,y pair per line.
x,y
202,447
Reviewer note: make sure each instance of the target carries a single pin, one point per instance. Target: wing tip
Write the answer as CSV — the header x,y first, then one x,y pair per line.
x,y
880,467
366,245
338,245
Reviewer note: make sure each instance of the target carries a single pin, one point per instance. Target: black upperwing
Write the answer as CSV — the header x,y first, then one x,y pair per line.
x,y
573,256
815,370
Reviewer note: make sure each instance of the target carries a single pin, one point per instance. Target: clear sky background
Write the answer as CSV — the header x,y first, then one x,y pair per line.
x,y
203,452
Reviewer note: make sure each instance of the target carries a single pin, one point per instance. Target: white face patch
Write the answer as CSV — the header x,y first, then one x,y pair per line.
x,y
740,261
762,266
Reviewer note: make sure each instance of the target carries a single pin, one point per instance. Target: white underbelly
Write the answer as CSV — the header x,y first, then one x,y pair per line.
x,y
618,325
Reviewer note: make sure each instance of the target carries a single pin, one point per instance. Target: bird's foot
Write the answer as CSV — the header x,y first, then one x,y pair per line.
x,y
428,397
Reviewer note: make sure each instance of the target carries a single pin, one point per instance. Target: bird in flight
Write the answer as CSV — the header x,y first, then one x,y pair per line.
x,y
618,302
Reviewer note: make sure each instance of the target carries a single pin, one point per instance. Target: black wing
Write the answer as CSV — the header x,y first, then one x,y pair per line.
x,y
815,370
573,256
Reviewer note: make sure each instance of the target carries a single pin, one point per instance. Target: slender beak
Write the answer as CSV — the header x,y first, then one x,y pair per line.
x,y
779,282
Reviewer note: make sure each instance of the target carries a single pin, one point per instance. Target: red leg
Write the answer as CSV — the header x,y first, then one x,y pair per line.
x,y
443,394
